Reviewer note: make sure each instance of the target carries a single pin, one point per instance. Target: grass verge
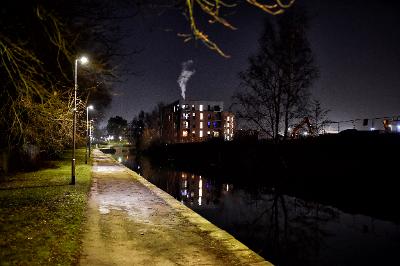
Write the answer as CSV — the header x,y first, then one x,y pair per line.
x,y
41,215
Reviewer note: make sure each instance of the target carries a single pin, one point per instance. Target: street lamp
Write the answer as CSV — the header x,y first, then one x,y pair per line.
x,y
83,60
87,132
90,135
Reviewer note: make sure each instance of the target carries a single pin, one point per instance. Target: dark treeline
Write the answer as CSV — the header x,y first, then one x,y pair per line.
x,y
145,129
355,171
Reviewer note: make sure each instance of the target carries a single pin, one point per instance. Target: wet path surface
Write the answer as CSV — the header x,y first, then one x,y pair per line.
x,y
131,222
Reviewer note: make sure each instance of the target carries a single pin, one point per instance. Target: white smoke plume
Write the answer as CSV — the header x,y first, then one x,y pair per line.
x,y
186,73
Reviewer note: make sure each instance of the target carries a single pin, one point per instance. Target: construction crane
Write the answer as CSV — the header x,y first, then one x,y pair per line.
x,y
304,122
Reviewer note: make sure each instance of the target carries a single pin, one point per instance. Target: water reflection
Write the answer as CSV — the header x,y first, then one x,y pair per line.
x,y
283,229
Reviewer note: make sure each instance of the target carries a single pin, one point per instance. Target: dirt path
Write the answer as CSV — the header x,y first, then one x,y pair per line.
x,y
131,222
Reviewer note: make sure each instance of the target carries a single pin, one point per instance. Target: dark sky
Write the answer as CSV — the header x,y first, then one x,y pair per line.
x,y
356,46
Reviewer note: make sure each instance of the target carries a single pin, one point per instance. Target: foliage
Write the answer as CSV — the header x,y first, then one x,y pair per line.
x,y
145,128
318,117
38,46
117,126
278,77
41,215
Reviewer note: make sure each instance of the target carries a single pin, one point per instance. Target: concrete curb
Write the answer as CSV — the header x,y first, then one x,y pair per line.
x,y
238,249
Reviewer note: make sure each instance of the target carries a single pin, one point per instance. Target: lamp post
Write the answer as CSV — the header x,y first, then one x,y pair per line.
x,y
87,132
83,60
90,135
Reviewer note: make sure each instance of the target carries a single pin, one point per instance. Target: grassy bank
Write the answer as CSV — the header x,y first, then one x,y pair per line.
x,y
41,215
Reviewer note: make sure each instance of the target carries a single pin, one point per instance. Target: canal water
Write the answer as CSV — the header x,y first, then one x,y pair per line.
x,y
284,230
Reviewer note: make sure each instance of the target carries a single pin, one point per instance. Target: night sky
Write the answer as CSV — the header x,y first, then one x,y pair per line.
x,y
355,43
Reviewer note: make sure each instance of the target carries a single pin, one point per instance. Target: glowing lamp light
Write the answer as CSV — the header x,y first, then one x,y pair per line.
x,y
84,60
372,128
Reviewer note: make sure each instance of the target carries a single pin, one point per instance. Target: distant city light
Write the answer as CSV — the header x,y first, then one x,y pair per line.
x,y
372,128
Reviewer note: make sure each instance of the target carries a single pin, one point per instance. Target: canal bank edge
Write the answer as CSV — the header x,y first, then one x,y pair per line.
x,y
244,254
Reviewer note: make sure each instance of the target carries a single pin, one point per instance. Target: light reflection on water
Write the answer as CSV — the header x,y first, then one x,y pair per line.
x,y
285,230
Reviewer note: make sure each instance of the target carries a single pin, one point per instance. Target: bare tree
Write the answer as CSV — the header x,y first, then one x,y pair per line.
x,y
213,9
38,45
318,117
278,77
145,129
205,13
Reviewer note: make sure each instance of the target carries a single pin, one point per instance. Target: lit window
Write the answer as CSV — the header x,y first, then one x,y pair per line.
x,y
208,124
193,114
201,133
227,130
193,132
201,116
184,133
216,134
208,132
201,124
201,108
185,124
228,118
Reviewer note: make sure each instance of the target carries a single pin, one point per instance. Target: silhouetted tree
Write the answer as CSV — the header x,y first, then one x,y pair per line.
x,y
318,117
117,126
278,77
136,129
39,43
145,128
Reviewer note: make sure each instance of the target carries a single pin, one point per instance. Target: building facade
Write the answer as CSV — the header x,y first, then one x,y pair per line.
x,y
194,121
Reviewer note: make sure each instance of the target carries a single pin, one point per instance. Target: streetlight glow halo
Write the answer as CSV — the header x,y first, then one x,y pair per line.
x,y
90,107
84,60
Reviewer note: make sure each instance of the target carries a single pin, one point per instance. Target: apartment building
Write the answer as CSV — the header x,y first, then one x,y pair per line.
x,y
194,121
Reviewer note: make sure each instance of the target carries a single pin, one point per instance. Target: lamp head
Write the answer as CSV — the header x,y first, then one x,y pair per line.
x,y
84,60
90,107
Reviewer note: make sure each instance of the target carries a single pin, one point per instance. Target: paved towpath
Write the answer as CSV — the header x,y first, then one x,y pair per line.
x,y
132,222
